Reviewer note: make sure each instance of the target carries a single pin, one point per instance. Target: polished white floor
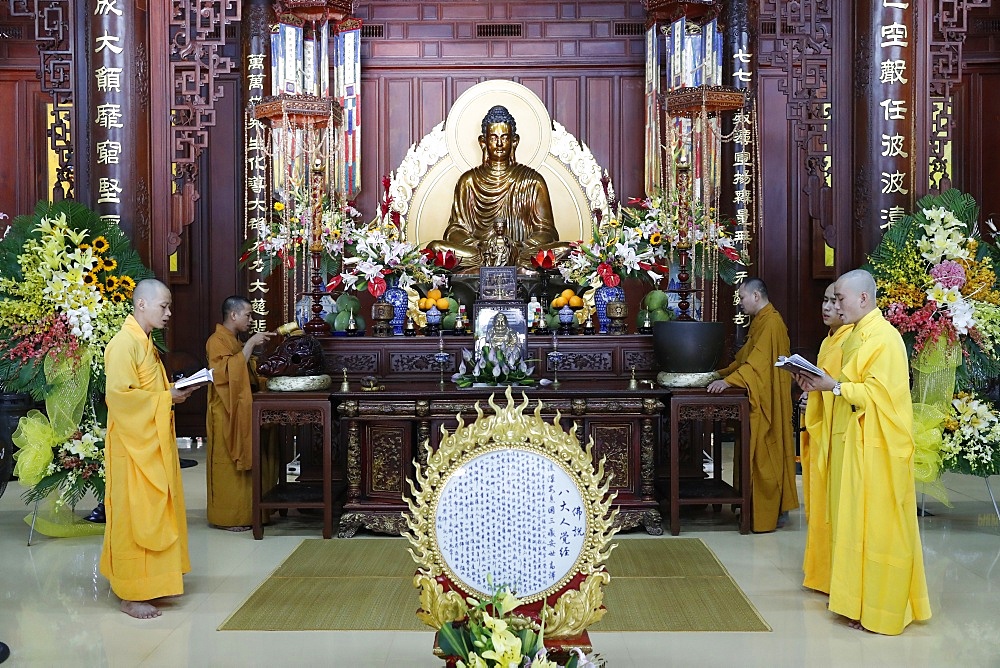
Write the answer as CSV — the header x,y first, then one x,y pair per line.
x,y
55,609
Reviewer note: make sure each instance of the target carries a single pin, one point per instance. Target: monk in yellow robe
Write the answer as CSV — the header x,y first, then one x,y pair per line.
x,y
229,418
815,453
877,571
772,446
145,550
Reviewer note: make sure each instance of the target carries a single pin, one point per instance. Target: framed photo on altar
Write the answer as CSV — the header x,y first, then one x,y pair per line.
x,y
488,325
497,283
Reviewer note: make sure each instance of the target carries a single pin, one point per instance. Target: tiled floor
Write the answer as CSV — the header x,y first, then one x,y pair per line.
x,y
55,608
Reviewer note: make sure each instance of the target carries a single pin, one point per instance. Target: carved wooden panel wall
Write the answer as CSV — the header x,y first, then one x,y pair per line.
x,y
584,60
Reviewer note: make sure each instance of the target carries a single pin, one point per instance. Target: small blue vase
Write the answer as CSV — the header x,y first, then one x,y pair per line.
x,y
602,296
400,301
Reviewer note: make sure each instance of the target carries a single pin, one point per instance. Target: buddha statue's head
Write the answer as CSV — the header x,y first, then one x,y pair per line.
x,y
499,136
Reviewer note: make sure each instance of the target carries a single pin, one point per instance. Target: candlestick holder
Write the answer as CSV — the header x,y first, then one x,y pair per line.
x,y
555,359
441,358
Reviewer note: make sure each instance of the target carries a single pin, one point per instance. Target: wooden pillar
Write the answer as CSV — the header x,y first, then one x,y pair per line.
x,y
117,50
884,112
257,85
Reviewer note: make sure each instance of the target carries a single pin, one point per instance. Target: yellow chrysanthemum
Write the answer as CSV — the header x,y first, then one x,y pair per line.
x,y
278,206
101,245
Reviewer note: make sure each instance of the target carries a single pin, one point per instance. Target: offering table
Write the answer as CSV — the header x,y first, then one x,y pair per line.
x,y
383,432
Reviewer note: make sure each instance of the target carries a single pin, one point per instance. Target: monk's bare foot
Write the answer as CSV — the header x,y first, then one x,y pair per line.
x,y
140,609
237,529
855,624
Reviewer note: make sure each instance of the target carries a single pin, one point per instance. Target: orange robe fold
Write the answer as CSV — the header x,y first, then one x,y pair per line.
x,y
229,423
145,550
772,446
815,452
877,572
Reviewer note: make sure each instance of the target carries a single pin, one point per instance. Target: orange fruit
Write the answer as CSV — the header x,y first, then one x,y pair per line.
x,y
559,302
424,303
434,294
567,294
575,301
442,304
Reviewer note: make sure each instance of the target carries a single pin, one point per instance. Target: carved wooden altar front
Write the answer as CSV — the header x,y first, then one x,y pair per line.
x,y
584,358
383,433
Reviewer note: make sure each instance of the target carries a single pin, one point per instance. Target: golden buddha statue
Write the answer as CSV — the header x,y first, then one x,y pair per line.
x,y
500,201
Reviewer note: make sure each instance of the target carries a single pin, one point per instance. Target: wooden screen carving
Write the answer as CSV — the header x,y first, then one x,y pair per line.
x,y
949,28
197,35
55,32
796,38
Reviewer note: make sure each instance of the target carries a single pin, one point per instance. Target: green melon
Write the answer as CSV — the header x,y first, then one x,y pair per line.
x,y
448,321
452,306
348,302
660,315
340,321
655,299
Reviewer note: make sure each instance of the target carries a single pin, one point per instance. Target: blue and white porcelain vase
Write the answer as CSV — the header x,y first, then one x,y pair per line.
x,y
400,301
602,296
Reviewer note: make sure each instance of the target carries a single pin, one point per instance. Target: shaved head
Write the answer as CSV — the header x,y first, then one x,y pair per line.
x,y
151,304
148,288
753,296
859,280
855,293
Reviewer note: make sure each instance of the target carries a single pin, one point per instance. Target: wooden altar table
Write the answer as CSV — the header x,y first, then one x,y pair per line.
x,y
292,408
384,432
697,404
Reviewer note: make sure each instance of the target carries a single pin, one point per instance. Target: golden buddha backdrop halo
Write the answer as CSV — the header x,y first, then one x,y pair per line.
x,y
510,427
423,186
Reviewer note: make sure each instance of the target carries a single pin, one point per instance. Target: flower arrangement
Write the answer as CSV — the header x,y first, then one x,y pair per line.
x,y
937,280
67,284
971,442
289,235
493,636
640,241
490,365
376,251
626,245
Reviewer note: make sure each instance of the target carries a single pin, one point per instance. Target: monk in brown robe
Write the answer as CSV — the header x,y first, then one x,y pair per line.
x,y
500,191
229,419
772,447
145,550
816,452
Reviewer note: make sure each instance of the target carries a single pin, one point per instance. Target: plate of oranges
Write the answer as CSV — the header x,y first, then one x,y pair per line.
x,y
567,298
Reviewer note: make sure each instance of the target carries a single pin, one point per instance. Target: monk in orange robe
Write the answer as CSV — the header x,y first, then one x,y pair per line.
x,y
815,449
145,550
772,446
877,570
229,419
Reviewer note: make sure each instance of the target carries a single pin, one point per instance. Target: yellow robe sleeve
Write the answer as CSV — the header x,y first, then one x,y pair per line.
x,y
232,386
818,419
139,403
877,377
